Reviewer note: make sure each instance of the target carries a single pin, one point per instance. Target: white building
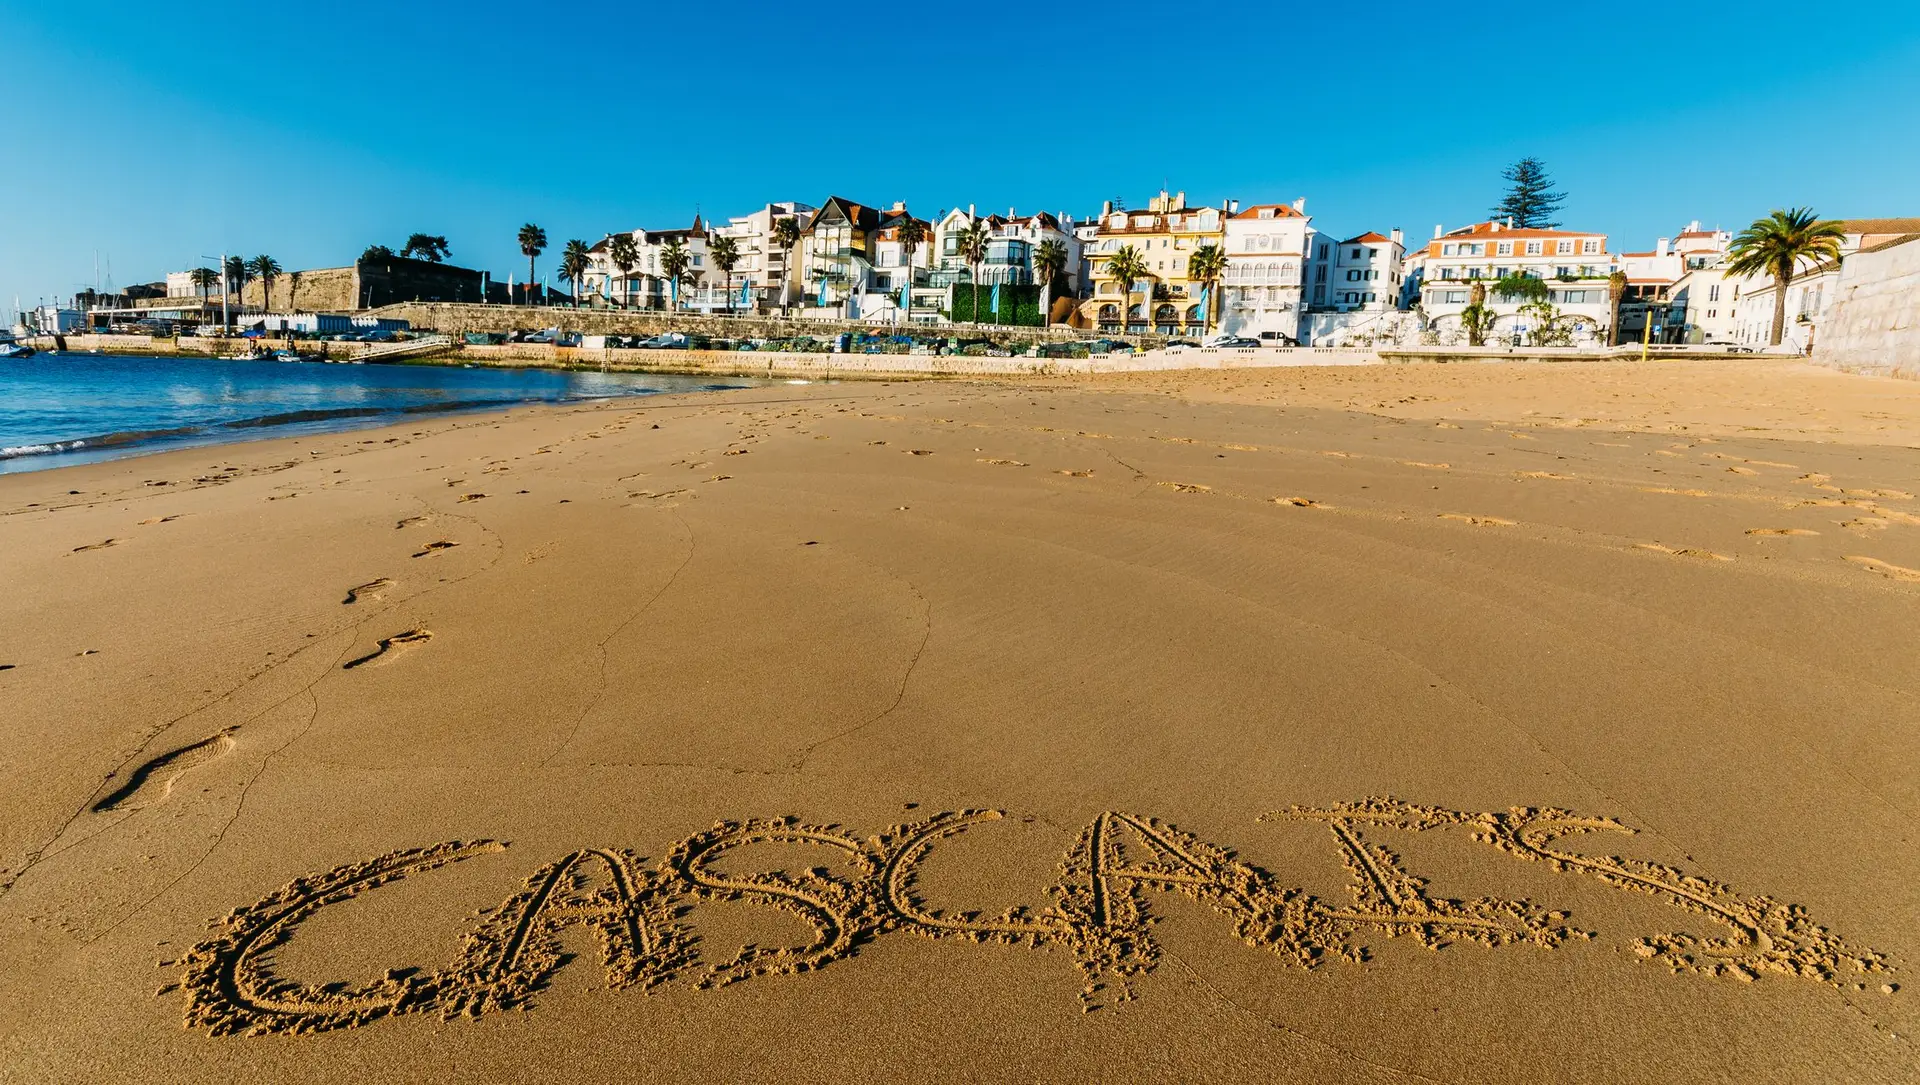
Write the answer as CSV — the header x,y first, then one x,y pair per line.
x,y
1575,265
646,285
1811,296
763,268
1267,248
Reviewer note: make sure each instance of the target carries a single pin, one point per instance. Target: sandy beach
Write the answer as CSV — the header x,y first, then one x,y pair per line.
x,y
1489,723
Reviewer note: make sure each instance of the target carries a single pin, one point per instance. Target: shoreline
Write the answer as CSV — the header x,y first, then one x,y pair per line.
x,y
318,738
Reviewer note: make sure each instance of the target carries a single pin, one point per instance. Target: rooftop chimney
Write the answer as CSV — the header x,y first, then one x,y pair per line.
x,y
1693,227
970,213
1509,222
1399,238
1436,231
1665,244
1300,205
1106,208
1233,207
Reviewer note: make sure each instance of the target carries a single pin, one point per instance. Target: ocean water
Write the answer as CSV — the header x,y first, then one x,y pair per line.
x,y
59,409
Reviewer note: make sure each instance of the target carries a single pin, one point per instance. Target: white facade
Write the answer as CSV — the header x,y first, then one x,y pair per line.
x,y
645,285
1365,273
763,266
1267,247
1575,264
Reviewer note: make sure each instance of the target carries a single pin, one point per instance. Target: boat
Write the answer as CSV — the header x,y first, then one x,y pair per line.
x,y
253,354
12,348
295,356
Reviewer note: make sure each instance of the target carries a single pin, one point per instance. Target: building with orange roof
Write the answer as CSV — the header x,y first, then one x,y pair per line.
x,y
1268,247
1166,235
1574,263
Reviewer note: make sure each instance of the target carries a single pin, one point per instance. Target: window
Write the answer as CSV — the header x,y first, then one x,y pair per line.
x,y
1504,248
1372,253
1563,247
1533,248
1456,297
1713,292
1590,246
1448,250
1353,276
1575,297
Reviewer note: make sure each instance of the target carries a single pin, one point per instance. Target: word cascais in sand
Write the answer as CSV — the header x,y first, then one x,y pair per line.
x,y
1100,912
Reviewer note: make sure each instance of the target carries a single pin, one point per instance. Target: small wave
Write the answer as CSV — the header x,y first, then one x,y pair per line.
x,y
104,440
290,418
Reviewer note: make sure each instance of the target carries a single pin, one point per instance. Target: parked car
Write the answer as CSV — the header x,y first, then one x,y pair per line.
x,y
1278,339
1731,348
1182,343
1232,342
671,341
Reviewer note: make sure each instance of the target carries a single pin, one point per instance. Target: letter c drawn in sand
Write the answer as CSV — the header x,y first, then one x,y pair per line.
x,y
231,987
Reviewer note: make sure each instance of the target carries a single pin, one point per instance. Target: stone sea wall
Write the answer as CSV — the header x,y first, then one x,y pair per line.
x,y
1874,324
456,319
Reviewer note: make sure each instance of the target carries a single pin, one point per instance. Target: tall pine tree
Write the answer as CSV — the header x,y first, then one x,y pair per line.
x,y
1530,201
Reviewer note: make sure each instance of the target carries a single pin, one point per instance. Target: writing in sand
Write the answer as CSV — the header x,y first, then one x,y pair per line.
x,y
868,887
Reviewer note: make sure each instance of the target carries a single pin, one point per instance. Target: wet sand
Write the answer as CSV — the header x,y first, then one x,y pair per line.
x,y
1431,723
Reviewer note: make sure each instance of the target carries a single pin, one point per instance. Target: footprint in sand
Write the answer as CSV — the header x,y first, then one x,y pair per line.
x,y
1074,474
153,780
409,522
436,546
919,451
1543,474
1682,552
390,647
1300,502
1188,487
1428,466
1780,531
1672,490
372,589
1887,569
1005,463
101,545
471,497
158,520
1478,521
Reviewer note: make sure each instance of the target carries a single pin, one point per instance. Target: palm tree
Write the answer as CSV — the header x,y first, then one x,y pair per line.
x,y
236,276
1476,318
574,263
1126,267
1616,289
533,242
1207,266
624,254
786,234
1049,265
266,269
674,262
726,256
293,290
973,249
204,278
913,234
1777,245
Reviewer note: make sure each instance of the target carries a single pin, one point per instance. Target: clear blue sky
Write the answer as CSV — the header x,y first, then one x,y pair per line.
x,y
308,131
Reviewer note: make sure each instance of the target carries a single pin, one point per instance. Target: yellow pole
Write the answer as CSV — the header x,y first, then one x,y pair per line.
x,y
1646,337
